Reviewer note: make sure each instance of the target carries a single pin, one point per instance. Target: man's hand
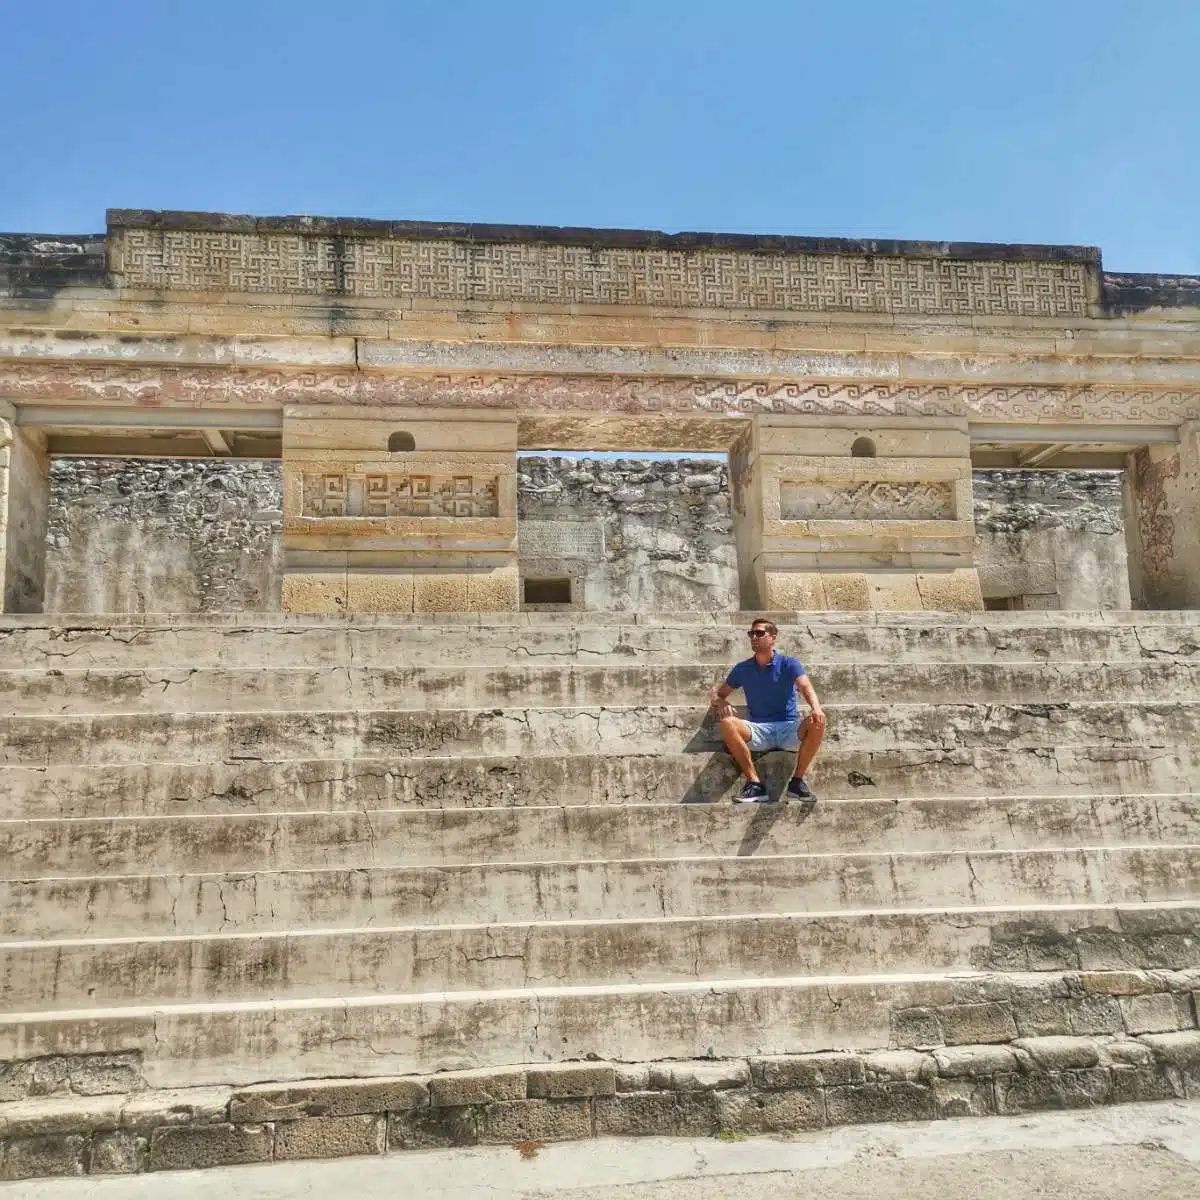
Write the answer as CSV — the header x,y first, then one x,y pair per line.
x,y
817,717
720,704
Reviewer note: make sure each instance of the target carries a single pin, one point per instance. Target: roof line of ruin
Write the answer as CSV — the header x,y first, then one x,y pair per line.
x,y
80,259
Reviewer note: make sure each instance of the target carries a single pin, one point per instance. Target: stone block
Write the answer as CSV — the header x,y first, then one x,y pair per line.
x,y
325,1098
433,1128
806,1070
42,1076
1155,1013
847,593
916,1028
117,1153
951,591
568,1080
1096,1014
1059,1053
187,1148
906,1065
965,1024
184,1106
771,1112
330,1137
964,1097
476,1087
1181,1049
497,590
632,1077
60,1114
698,1076
379,591
1134,1084
443,591
955,1062
870,1102
313,592
104,1074
1042,1018
894,592
665,1114
1125,1052
511,1121
1117,983
789,591
45,1155
1051,1090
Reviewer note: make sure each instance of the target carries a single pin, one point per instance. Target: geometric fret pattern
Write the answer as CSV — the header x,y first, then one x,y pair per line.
x,y
444,269
399,495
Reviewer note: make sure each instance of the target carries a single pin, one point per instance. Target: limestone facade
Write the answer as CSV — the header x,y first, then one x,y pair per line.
x,y
398,368
622,535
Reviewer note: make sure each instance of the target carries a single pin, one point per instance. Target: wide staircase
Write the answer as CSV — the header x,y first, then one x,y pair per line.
x,y
281,888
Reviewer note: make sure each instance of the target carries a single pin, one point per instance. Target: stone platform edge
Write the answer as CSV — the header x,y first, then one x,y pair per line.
x,y
103,1128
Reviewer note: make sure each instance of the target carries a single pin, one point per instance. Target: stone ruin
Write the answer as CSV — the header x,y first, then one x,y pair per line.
x,y
410,826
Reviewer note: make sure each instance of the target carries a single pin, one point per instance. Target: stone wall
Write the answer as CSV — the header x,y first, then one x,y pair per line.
x,y
1051,539
628,534
644,535
163,535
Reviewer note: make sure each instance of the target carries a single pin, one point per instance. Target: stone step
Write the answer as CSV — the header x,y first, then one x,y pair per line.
x,y
650,730
432,837
187,689
174,1046
323,785
289,966
158,643
157,904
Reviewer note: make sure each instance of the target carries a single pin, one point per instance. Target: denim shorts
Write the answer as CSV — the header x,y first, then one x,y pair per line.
x,y
774,735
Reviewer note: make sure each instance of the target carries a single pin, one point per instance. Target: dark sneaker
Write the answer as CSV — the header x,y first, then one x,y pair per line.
x,y
753,793
799,790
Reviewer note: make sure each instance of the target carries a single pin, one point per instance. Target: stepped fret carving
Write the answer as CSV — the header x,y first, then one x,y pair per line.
x,y
400,495
393,268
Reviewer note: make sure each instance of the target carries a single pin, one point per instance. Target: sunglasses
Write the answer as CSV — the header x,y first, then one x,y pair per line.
x,y
759,633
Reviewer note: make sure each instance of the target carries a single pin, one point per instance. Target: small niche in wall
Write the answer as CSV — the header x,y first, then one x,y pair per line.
x,y
547,591
863,447
401,440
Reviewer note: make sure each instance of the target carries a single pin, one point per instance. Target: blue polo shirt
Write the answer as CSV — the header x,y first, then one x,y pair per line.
x,y
771,690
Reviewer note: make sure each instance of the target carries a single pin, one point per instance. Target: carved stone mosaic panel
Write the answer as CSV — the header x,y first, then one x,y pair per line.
x,y
399,495
397,268
868,500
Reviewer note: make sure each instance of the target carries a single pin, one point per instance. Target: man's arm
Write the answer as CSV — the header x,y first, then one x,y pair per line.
x,y
808,693
719,699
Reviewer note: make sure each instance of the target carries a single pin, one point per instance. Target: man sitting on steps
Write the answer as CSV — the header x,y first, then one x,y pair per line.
x,y
770,682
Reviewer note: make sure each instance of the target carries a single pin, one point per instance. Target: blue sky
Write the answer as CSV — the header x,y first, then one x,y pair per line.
x,y
1046,121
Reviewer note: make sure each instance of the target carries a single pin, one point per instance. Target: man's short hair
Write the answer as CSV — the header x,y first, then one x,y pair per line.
x,y
769,626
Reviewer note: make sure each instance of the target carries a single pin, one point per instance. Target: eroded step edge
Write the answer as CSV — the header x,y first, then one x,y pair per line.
x,y
437,837
322,785
236,1044
101,973
207,1127
155,904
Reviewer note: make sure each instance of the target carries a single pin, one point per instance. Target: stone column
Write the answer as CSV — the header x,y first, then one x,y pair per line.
x,y
399,510
24,498
854,513
1162,522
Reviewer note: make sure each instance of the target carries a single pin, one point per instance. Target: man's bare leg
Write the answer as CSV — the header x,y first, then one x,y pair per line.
x,y
811,737
735,735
